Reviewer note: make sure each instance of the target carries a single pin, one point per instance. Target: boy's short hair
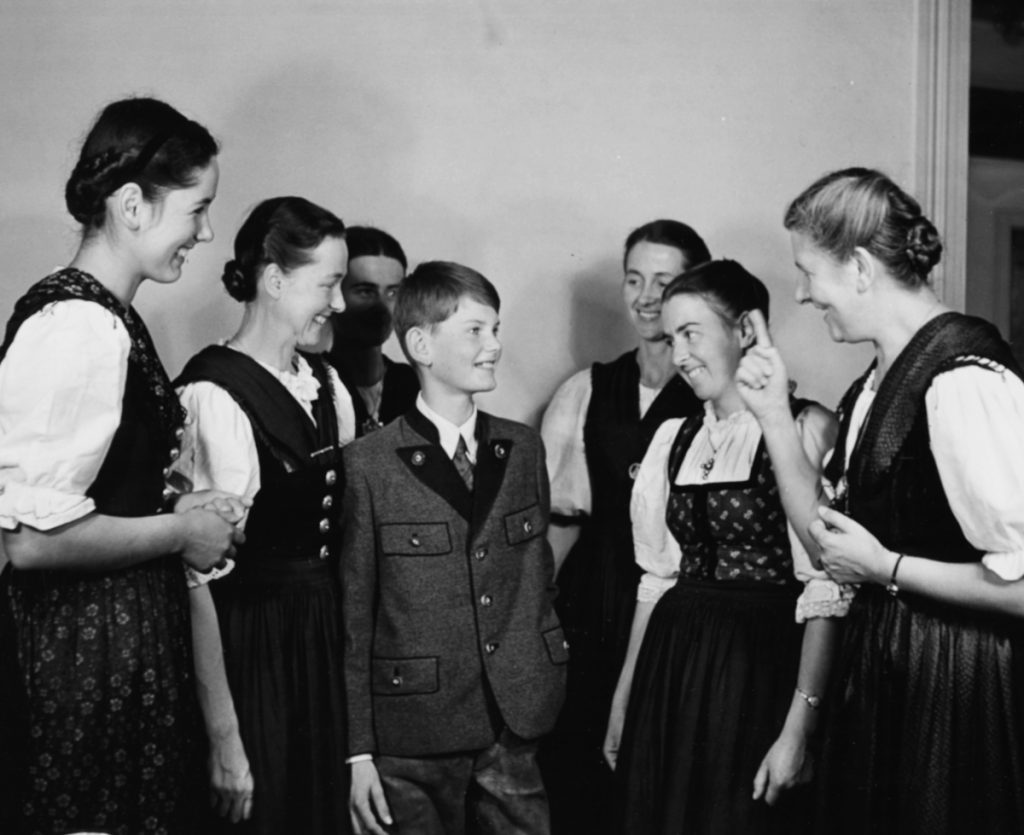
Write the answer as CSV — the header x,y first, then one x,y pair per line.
x,y
431,293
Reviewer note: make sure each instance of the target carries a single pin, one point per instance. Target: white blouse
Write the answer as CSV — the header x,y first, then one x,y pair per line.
x,y
731,446
218,450
976,425
61,387
562,432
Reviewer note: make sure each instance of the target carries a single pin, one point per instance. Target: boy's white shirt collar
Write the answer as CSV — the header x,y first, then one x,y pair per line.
x,y
448,432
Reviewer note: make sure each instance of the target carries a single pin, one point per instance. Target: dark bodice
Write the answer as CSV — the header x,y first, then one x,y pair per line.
x,y
615,437
733,532
892,485
130,481
294,514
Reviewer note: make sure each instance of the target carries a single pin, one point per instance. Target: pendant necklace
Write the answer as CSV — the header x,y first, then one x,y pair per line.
x,y
709,463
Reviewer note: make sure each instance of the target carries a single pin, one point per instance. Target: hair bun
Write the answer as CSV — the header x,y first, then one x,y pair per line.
x,y
238,287
89,185
924,247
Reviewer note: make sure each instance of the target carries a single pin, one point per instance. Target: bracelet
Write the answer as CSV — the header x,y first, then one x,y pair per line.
x,y
892,588
813,701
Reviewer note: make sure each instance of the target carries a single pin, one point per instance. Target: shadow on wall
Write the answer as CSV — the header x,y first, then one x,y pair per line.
x,y
279,139
600,329
37,240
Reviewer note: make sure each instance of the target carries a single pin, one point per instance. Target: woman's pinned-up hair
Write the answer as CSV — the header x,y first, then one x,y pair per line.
x,y
137,140
860,207
670,233
282,231
727,287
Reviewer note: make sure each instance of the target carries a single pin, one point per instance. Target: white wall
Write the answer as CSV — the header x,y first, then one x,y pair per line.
x,y
522,137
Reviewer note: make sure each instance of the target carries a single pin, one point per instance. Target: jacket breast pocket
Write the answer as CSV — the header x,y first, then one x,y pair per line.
x,y
524,524
426,540
558,646
404,676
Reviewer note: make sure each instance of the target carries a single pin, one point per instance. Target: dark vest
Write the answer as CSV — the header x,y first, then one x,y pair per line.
x,y
294,514
130,481
892,485
615,437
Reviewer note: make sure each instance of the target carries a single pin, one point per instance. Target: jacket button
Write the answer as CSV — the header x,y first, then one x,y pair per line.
x,y
167,492
396,681
414,540
528,526
330,477
323,552
174,453
325,525
327,503
167,471
486,600
565,645
491,647
179,433
480,553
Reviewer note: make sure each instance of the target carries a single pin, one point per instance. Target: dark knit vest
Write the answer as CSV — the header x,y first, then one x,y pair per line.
x,y
294,514
892,485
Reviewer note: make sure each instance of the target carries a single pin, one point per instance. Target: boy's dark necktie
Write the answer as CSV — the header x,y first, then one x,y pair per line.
x,y
462,463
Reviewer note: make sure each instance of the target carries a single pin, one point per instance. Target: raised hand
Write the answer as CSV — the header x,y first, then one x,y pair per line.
x,y
761,376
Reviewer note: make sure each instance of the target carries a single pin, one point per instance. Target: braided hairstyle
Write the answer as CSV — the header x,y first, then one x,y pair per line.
x,y
860,207
138,140
282,231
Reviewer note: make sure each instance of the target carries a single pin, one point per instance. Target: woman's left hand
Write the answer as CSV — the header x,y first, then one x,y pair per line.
x,y
849,552
787,764
231,783
228,506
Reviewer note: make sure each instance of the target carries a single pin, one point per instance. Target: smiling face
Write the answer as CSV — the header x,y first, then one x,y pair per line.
x,y
705,347
311,292
649,268
828,285
174,223
463,350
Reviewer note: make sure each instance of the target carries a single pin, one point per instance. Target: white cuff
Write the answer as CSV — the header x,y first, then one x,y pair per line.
x,y
824,599
1008,565
194,579
359,758
42,508
652,587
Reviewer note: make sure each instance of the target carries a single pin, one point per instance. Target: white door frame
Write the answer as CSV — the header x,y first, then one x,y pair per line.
x,y
944,65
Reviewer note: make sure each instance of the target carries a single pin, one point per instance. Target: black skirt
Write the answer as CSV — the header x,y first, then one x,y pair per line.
x,y
925,731
713,684
280,626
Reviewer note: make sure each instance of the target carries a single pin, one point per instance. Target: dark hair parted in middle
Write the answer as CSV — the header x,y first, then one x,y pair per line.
x,y
368,240
670,233
725,285
861,207
282,231
138,140
432,292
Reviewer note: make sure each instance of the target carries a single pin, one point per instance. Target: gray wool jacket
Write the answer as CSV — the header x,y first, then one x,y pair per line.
x,y
448,616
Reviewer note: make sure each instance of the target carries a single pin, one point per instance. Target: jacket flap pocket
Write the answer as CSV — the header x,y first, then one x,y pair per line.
x,y
558,646
404,676
524,524
426,540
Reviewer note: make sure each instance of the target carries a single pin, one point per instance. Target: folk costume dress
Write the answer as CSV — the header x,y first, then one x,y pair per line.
x,y
715,674
924,727
596,431
275,438
102,672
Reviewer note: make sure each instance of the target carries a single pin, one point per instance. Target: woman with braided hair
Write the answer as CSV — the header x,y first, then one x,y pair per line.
x,y
921,510
100,716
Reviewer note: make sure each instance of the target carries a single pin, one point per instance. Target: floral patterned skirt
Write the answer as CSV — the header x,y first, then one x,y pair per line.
x,y
104,683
